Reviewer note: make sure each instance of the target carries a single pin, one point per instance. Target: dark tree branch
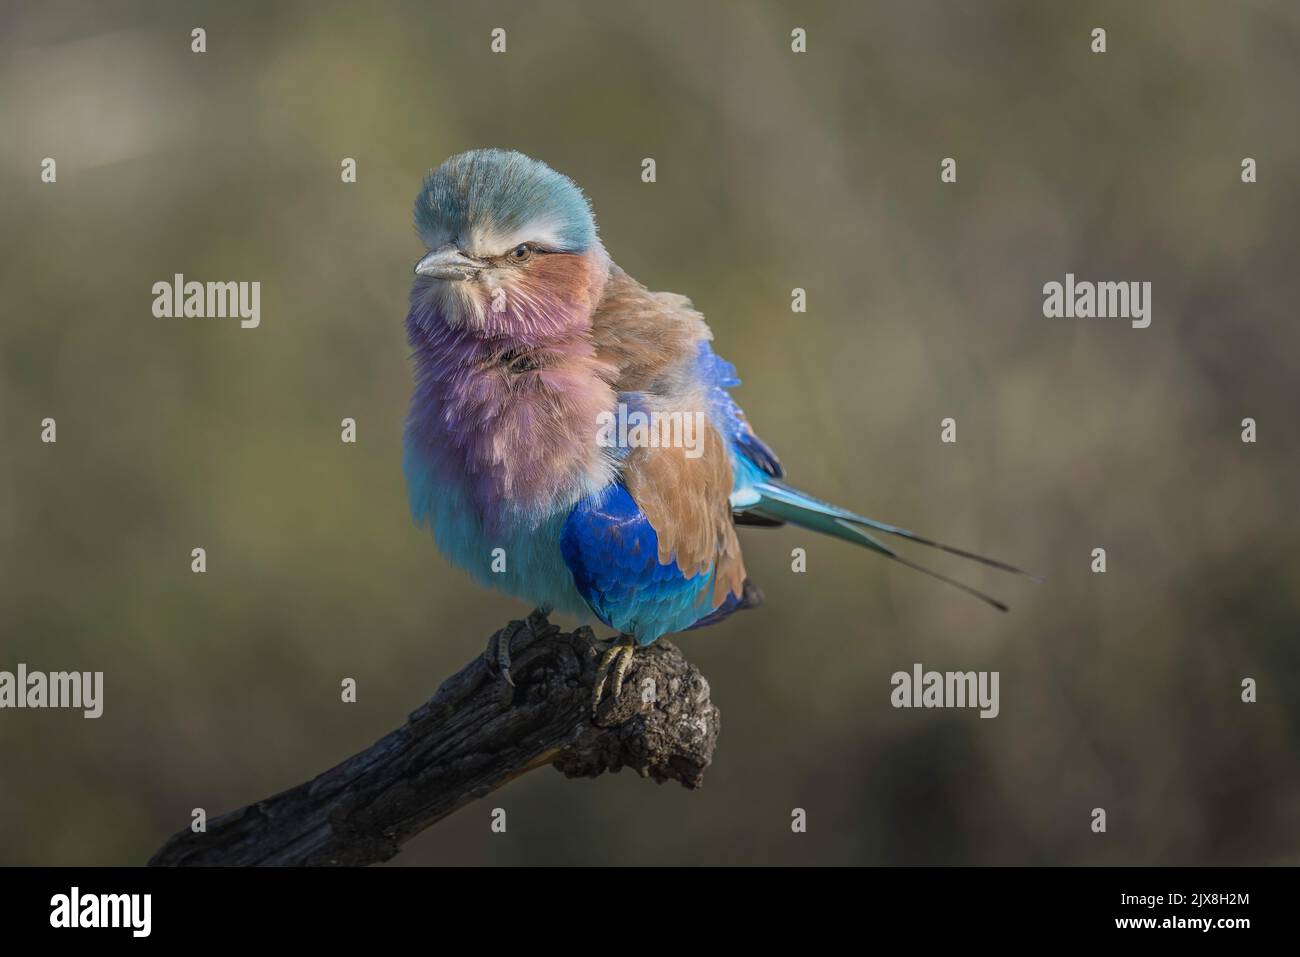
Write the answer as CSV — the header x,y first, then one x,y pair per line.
x,y
466,741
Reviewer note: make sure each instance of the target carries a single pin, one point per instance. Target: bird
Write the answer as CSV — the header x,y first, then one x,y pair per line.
x,y
529,345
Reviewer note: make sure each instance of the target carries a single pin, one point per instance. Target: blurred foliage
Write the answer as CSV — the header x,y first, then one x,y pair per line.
x,y
775,170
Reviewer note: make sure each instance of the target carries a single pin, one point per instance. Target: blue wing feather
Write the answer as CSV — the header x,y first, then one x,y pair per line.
x,y
750,454
613,552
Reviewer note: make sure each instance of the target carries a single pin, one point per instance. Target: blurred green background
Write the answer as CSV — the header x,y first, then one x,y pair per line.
x,y
775,171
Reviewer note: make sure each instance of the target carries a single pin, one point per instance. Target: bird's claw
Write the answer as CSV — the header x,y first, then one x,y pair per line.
x,y
616,660
497,654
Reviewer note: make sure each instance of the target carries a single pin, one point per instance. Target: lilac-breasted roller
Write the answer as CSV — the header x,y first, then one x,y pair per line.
x,y
571,438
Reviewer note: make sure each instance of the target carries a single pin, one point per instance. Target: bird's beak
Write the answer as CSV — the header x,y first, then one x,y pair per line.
x,y
447,262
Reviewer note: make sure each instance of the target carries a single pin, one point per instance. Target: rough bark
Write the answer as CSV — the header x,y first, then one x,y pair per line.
x,y
474,735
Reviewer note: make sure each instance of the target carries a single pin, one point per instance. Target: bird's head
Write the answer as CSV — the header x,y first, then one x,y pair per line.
x,y
512,249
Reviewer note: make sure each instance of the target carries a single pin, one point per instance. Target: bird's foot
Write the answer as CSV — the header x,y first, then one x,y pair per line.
x,y
615,661
497,653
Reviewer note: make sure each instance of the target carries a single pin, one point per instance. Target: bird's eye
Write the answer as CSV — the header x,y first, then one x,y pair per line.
x,y
521,253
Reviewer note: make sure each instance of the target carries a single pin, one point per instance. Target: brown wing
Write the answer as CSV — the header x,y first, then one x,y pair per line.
x,y
686,500
647,337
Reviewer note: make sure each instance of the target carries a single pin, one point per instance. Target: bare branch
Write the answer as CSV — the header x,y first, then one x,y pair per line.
x,y
474,735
